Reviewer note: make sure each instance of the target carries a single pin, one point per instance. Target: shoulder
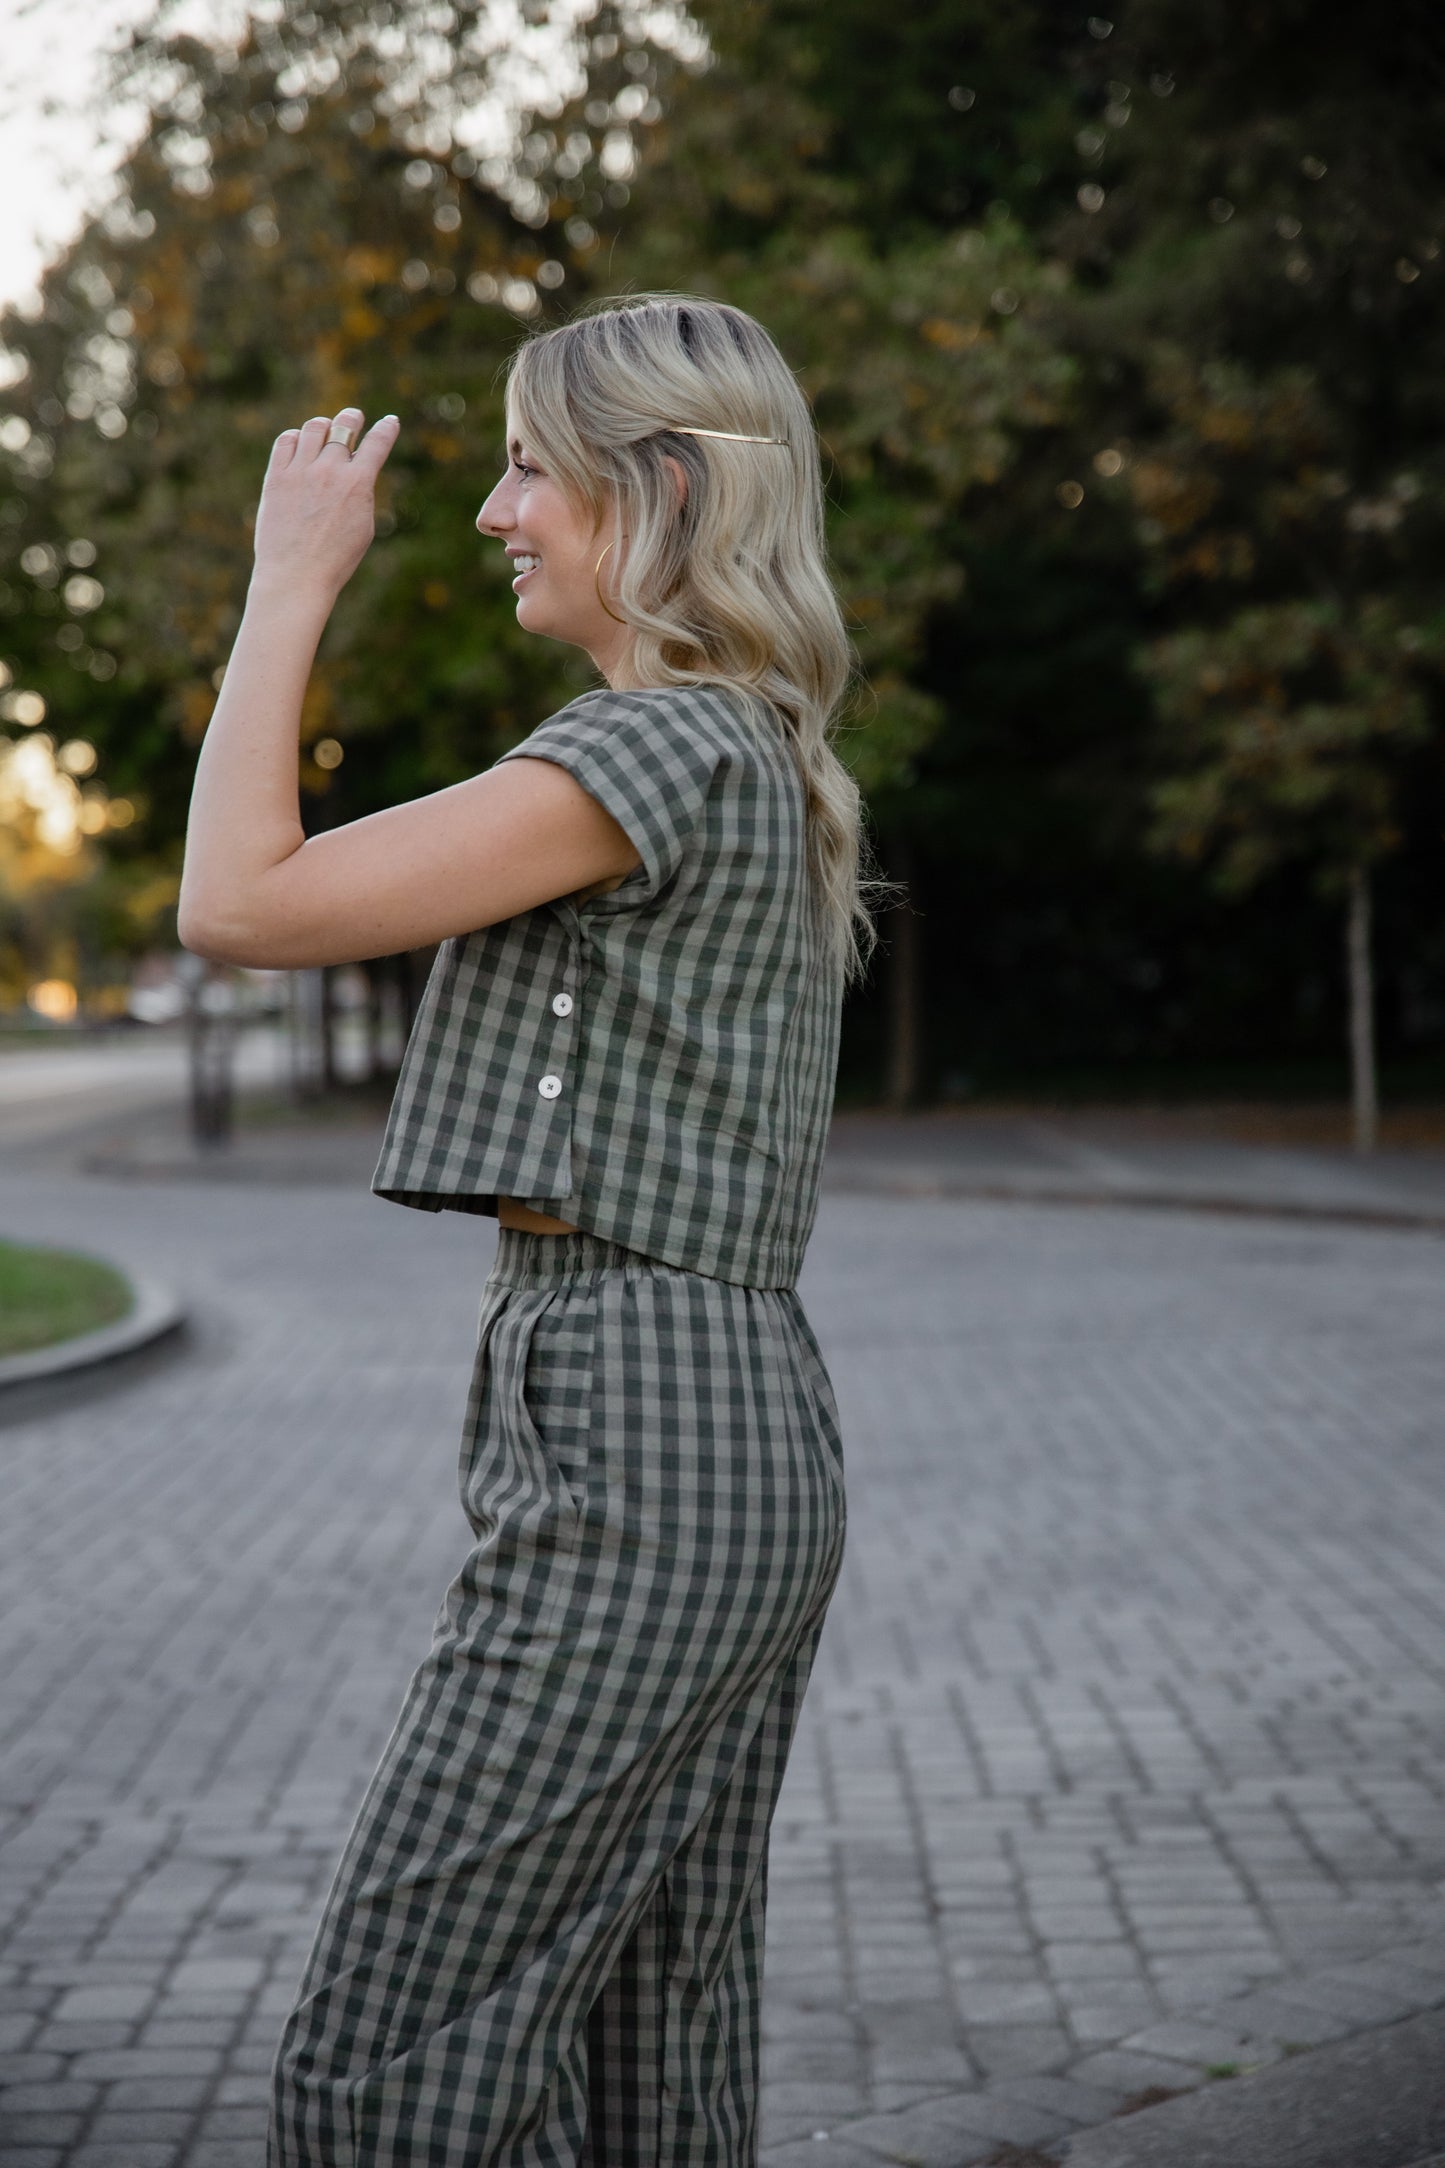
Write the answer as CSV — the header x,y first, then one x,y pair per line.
x,y
707,714
674,765
676,737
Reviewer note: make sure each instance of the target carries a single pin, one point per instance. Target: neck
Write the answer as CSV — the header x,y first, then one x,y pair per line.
x,y
613,658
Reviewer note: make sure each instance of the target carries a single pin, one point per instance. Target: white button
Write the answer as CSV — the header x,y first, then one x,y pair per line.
x,y
561,1004
550,1086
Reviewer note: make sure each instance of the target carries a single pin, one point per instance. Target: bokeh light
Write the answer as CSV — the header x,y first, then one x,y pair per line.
x,y
54,999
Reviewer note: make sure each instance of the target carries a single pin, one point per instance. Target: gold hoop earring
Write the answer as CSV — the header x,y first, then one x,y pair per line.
x,y
597,583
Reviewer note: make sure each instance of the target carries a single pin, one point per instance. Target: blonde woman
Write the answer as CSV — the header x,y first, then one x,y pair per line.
x,y
544,1940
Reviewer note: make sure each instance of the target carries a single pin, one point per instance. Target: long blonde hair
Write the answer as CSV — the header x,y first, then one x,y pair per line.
x,y
731,586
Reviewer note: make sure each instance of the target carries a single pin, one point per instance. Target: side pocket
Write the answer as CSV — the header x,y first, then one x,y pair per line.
x,y
494,1302
554,1393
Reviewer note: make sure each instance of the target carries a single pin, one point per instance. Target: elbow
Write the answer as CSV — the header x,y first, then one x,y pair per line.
x,y
259,924
193,933
221,927
208,943
196,922
198,930
215,938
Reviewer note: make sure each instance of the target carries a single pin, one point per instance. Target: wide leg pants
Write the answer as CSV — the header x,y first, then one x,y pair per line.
x,y
543,1945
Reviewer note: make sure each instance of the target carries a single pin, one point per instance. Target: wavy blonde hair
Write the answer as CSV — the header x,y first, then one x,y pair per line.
x,y
730,586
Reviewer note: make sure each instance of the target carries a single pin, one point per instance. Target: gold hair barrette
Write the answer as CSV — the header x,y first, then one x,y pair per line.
x,y
734,436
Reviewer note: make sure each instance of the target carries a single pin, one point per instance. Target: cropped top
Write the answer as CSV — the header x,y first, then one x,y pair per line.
x,y
656,1063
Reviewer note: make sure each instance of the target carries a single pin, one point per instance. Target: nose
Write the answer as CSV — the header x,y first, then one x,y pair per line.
x,y
493,518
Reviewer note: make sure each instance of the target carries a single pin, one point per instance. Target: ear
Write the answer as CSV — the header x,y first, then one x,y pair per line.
x,y
679,476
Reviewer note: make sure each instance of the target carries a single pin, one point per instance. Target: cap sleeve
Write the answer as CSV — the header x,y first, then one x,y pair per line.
x,y
647,761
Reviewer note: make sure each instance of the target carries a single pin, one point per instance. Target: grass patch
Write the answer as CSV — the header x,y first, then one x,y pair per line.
x,y
50,1295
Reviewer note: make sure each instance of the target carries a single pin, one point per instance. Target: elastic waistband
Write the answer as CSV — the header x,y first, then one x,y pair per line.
x,y
525,1259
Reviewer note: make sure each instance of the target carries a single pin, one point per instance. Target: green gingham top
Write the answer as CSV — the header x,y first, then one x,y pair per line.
x,y
655,1064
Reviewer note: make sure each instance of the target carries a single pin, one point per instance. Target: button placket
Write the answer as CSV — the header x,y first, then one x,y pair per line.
x,y
562,1005
562,1002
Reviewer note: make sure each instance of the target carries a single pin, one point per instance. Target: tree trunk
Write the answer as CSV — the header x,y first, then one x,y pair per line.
x,y
303,1033
330,1068
1364,1093
903,1068
211,1035
374,1019
406,996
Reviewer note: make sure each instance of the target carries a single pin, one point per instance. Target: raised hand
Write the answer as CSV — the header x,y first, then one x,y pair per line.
x,y
318,504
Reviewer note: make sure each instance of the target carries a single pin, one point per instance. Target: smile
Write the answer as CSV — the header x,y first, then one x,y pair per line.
x,y
524,565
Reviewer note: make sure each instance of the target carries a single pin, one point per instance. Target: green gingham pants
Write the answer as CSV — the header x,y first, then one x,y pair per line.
x,y
543,1945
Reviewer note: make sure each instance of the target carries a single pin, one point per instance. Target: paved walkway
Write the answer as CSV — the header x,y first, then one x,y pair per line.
x,y
1047,1157
1125,1757
1202,1157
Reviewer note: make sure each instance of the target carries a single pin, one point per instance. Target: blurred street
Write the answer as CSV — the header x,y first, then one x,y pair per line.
x,y
1129,1710
54,1090
117,1107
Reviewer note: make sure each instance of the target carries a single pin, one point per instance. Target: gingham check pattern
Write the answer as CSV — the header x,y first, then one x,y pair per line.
x,y
696,1061
543,1945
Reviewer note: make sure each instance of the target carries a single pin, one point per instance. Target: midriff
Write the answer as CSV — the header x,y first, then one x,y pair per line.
x,y
512,1214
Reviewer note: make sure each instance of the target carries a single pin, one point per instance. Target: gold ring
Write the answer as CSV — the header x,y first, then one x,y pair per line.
x,y
343,433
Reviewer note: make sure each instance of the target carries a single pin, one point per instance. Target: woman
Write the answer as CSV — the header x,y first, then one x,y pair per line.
x,y
543,1943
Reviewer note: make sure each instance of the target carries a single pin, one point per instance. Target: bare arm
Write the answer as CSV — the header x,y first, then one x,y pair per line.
x,y
254,889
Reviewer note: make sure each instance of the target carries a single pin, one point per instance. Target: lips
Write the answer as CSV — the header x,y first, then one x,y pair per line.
x,y
523,563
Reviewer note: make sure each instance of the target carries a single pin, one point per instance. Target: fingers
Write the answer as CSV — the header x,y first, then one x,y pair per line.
x,y
301,447
312,437
371,452
282,452
349,418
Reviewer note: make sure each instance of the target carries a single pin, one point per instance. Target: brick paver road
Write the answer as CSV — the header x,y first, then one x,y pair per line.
x,y
1126,1752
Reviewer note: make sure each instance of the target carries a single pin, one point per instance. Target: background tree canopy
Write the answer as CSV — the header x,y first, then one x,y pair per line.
x,y
1125,339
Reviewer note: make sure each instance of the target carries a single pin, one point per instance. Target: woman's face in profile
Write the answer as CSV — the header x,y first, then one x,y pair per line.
x,y
553,549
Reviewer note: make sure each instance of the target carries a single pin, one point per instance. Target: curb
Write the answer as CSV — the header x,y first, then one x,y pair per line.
x,y
869,1182
1367,2102
154,1314
1098,2110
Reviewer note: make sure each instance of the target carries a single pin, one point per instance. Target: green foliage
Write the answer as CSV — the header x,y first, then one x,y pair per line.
x,y
1262,291
1291,722
299,228
1125,340
324,260
924,118
920,352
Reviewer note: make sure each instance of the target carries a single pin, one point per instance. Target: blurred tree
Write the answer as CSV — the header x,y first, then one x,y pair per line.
x,y
1259,303
1291,724
1238,234
913,332
1115,330
303,224
59,922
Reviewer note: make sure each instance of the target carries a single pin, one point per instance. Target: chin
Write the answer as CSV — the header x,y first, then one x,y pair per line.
x,y
533,615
